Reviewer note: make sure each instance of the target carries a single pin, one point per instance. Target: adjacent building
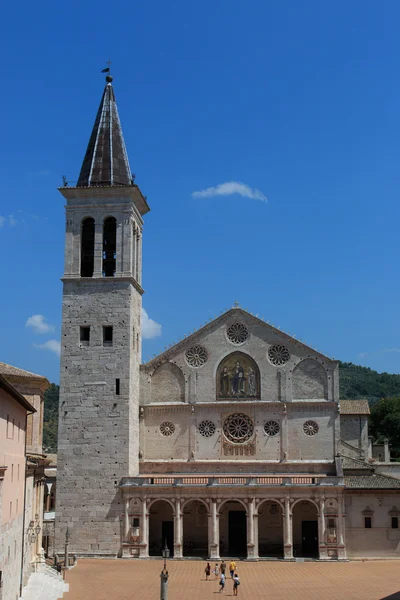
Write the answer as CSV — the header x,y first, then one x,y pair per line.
x,y
14,412
233,442
27,478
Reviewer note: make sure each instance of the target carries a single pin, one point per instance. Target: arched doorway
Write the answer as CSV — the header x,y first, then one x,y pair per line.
x,y
232,529
305,529
270,530
195,529
161,527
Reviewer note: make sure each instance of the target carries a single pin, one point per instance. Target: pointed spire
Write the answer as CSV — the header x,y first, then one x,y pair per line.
x,y
106,161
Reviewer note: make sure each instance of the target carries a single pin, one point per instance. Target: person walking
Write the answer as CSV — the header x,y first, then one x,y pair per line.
x,y
232,567
223,567
236,583
222,583
216,570
207,571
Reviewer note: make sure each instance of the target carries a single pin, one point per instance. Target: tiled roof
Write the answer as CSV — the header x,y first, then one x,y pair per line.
x,y
106,161
371,482
354,407
6,369
10,389
354,464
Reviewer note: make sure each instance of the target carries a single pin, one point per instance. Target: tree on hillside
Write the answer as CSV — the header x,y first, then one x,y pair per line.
x,y
385,423
50,418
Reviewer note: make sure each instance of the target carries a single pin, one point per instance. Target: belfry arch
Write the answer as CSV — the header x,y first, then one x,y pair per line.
x,y
87,247
109,246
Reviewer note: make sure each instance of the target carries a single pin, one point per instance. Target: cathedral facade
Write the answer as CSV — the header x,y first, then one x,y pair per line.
x,y
233,442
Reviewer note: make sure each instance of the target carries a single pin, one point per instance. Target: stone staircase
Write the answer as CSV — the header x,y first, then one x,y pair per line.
x,y
46,584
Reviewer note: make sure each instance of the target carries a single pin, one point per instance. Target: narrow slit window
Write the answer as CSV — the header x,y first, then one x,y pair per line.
x,y
84,335
87,247
107,335
331,523
135,522
367,522
109,247
117,387
395,522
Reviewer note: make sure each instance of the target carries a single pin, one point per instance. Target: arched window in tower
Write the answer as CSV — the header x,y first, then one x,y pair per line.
x,y
109,246
87,247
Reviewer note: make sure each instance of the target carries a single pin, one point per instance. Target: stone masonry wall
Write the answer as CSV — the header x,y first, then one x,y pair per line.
x,y
98,429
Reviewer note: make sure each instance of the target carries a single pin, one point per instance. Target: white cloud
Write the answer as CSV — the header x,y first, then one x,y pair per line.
x,y
229,188
362,355
2,221
391,350
52,345
150,328
38,324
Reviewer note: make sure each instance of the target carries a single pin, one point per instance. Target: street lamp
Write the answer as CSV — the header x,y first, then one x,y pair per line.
x,y
164,574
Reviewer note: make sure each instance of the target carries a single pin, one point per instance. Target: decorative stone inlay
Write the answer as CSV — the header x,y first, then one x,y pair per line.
x,y
238,428
310,428
278,355
237,333
167,428
196,356
272,428
239,450
207,428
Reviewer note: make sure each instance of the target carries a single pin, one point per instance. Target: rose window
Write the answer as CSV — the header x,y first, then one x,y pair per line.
x,y
310,428
238,428
237,333
272,428
196,356
167,428
207,428
278,355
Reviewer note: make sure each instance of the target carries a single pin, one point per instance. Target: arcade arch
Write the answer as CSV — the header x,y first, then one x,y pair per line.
x,y
305,529
161,527
270,529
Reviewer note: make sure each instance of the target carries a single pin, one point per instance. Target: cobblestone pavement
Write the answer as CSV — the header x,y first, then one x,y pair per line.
x,y
140,580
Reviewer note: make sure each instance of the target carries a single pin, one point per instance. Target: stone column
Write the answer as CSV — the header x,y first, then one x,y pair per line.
x,y
256,535
321,529
250,530
214,546
98,248
144,529
178,529
133,250
126,521
287,530
48,497
341,540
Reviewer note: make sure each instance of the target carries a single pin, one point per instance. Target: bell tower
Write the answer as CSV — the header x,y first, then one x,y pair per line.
x,y
100,340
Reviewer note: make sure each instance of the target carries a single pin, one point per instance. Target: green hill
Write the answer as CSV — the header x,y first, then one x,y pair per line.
x,y
363,382
355,382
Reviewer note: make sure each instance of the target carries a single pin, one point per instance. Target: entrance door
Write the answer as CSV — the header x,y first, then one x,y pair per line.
x,y
167,535
237,533
309,537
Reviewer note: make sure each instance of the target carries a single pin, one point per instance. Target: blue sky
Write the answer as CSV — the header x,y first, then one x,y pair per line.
x,y
299,101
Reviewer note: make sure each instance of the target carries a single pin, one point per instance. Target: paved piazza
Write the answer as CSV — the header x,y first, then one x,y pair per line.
x,y
139,580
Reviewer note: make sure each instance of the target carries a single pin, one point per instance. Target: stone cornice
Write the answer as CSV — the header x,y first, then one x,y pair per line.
x,y
93,280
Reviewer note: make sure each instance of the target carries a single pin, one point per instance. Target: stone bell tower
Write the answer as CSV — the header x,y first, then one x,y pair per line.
x,y
100,341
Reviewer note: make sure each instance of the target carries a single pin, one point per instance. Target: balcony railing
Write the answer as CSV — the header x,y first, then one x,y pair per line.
x,y
232,480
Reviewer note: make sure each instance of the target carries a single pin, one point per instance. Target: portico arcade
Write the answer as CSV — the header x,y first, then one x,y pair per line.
x,y
241,523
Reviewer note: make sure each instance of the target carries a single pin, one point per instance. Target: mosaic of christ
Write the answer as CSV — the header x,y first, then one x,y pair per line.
x,y
238,377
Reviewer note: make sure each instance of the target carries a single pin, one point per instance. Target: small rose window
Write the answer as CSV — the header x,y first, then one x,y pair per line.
x,y
278,355
237,333
272,428
310,428
207,428
196,356
167,428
